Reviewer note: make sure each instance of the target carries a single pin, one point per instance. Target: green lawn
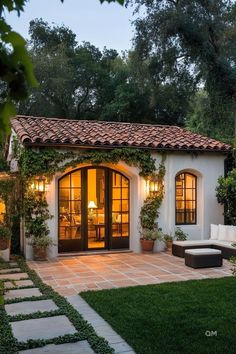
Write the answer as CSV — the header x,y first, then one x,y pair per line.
x,y
172,317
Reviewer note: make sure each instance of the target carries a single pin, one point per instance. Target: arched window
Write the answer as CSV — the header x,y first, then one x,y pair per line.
x,y
185,199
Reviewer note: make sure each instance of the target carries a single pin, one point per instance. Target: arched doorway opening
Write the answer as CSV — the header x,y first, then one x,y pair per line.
x,y
93,210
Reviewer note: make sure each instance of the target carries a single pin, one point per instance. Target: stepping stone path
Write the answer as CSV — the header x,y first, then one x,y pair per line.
x,y
28,307
53,326
22,293
9,270
81,347
42,328
39,328
17,283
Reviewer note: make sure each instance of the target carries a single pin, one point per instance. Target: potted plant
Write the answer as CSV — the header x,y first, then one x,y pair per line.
x,y
180,235
40,246
5,237
168,238
148,239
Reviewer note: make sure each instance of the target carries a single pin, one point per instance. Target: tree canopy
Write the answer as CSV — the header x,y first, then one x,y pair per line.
x,y
16,70
196,39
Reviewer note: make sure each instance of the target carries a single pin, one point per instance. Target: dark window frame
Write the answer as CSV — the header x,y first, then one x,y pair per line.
x,y
185,210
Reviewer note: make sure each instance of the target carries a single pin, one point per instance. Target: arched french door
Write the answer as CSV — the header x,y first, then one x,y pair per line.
x,y
93,210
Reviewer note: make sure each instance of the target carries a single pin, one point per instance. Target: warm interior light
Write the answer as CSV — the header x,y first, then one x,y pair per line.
x,y
92,205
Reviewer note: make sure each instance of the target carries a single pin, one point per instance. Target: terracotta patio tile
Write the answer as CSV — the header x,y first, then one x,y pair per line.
x,y
105,285
123,283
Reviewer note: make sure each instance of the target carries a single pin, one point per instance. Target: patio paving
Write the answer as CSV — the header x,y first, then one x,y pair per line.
x,y
71,275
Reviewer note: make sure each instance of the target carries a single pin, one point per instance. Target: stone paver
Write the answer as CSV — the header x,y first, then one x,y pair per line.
x,y
22,293
27,307
101,327
81,347
42,328
9,270
71,275
14,276
17,283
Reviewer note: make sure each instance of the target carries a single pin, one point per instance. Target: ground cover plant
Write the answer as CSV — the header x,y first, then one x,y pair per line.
x,y
9,345
186,317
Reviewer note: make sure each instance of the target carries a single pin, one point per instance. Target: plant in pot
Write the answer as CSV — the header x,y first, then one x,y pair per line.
x,y
148,238
180,235
168,238
5,237
40,246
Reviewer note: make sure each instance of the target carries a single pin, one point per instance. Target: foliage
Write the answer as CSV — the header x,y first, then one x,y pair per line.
x,y
85,330
226,195
49,161
148,234
168,237
173,309
150,209
191,43
180,235
233,264
5,233
41,241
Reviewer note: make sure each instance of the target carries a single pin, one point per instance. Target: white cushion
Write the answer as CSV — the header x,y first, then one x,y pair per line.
x,y
223,229
203,251
231,233
193,243
214,232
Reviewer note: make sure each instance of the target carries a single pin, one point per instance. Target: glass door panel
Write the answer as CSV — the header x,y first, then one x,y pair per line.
x,y
96,220
70,237
120,211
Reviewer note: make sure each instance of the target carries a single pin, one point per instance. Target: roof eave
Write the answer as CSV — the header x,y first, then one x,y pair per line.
x,y
110,147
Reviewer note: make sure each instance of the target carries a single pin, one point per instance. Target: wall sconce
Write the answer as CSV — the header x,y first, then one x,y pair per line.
x,y
39,185
152,186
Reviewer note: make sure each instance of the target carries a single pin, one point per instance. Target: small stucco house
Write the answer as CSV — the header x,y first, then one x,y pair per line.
x,y
97,207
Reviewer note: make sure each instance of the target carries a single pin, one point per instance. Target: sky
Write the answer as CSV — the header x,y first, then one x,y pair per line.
x,y
103,25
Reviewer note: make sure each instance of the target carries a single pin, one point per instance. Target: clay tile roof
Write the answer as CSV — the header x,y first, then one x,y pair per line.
x,y
53,131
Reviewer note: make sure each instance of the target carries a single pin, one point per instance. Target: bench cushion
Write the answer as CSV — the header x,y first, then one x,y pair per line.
x,y
202,251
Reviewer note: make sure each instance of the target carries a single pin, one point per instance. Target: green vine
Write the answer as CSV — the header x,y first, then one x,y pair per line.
x,y
46,162
150,209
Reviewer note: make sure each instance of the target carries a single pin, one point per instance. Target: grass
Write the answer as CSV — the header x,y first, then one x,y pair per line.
x,y
172,317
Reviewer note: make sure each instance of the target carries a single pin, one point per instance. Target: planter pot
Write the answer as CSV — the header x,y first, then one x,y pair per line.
x,y
147,245
39,253
4,244
169,245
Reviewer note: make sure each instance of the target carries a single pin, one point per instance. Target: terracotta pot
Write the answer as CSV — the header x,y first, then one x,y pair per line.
x,y
169,245
4,244
40,254
147,245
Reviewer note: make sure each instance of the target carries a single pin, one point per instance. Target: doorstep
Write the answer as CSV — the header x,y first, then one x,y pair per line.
x,y
89,253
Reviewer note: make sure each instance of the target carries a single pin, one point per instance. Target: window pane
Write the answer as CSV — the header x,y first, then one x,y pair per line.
x,y
116,193
65,182
76,194
185,189
116,205
125,193
76,179
116,179
125,205
64,194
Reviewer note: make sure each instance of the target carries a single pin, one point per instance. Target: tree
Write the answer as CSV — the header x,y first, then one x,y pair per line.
x,y
16,70
197,38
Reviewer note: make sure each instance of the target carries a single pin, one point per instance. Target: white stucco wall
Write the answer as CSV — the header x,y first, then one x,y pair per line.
x,y
206,166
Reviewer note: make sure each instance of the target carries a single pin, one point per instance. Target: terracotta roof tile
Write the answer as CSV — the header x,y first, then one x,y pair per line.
x,y
53,131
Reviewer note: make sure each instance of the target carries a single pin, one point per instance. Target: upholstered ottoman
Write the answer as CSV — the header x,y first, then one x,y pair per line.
x,y
203,258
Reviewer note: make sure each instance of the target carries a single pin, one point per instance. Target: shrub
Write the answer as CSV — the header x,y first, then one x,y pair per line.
x,y
180,235
5,233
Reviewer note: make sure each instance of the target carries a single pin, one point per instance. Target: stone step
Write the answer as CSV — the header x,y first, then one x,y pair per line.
x,y
14,276
7,270
42,328
17,283
82,347
22,293
27,307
